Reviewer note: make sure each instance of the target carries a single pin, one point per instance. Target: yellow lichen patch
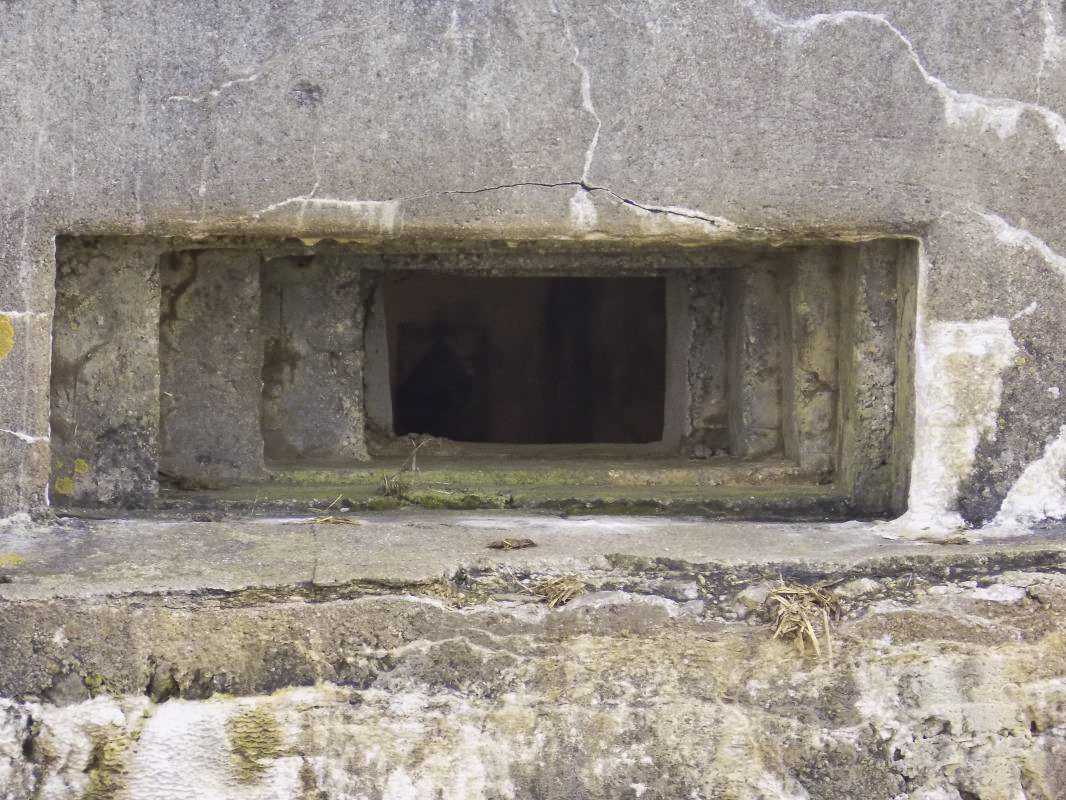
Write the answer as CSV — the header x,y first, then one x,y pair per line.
x,y
81,466
107,769
254,739
95,683
11,560
64,485
7,336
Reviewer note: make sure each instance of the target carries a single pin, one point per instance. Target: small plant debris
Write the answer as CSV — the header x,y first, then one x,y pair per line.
x,y
323,517
393,486
559,591
512,544
330,519
797,607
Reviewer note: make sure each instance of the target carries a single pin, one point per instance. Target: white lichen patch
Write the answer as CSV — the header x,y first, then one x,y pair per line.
x,y
1040,491
220,747
959,384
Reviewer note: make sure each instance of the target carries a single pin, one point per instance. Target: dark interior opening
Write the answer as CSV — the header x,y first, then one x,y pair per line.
x,y
517,360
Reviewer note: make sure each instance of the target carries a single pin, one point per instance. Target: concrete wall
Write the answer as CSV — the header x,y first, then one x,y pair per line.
x,y
685,121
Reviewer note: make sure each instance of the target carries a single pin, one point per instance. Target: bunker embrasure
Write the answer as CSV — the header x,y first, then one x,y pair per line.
x,y
644,375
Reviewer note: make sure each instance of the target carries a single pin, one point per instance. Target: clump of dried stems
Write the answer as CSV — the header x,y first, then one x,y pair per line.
x,y
558,591
393,485
796,610
512,544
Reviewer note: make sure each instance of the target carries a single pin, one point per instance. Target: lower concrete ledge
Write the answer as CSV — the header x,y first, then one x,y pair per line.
x,y
398,657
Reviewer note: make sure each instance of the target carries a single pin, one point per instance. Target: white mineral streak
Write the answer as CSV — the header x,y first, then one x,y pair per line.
x,y
215,92
582,209
376,215
998,114
1054,51
958,385
1040,492
184,750
1025,312
1026,240
655,216
24,437
21,518
74,731
20,314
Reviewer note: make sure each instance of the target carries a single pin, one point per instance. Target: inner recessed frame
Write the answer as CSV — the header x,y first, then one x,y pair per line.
x,y
791,363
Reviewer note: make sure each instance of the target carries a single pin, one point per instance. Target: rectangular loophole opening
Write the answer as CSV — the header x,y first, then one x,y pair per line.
x,y
749,381
525,360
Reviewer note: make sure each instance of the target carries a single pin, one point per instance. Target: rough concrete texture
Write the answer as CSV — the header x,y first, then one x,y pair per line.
x,y
755,313
186,671
312,332
708,403
812,341
871,385
942,122
210,365
105,374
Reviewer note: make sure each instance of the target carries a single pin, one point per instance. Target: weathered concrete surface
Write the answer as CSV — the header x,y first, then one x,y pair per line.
x,y
811,389
943,122
708,402
755,316
876,278
312,330
105,374
80,558
210,667
210,366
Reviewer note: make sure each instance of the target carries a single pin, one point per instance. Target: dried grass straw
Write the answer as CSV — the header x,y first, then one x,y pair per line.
x,y
797,607
558,591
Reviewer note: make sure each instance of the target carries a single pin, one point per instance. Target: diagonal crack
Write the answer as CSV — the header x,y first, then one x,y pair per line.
x,y
675,211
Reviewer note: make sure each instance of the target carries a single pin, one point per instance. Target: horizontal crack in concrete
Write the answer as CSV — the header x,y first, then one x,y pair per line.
x,y
588,187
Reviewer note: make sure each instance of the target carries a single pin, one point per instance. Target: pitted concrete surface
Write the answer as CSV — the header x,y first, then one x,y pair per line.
x,y
398,658
83,558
